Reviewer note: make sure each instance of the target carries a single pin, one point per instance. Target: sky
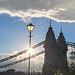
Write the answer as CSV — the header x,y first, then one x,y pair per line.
x,y
15,15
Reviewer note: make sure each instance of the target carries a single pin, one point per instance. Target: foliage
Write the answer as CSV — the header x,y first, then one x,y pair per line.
x,y
12,72
72,64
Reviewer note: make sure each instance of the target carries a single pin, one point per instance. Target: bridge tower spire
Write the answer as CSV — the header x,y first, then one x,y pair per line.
x,y
62,52
50,52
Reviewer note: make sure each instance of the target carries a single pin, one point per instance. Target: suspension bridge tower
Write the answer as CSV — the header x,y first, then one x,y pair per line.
x,y
55,54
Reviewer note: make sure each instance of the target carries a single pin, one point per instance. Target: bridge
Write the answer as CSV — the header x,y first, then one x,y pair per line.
x,y
70,45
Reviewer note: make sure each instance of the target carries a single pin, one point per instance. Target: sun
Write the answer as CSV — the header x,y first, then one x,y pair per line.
x,y
30,50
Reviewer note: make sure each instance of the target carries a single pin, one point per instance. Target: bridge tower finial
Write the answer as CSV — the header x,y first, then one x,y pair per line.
x,y
61,29
50,25
50,22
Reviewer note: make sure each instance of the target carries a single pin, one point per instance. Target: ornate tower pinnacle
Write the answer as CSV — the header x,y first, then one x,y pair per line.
x,y
50,38
61,29
50,22
50,52
62,52
50,25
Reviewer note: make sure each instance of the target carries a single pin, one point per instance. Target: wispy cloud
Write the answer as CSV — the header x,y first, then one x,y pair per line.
x,y
60,11
5,54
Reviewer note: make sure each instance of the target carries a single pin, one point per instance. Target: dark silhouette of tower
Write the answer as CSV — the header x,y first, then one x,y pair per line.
x,y
62,54
50,52
55,54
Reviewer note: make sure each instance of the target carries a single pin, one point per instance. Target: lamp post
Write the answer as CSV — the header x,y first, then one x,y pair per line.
x,y
31,68
30,28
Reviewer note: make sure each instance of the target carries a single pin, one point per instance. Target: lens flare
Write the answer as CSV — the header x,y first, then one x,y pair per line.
x,y
30,50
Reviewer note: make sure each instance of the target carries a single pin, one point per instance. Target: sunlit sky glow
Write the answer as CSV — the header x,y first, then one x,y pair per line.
x,y
15,15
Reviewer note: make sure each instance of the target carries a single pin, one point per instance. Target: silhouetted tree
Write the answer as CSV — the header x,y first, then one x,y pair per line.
x,y
19,73
72,64
12,72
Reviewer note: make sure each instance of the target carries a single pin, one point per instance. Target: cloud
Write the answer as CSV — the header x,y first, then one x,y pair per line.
x,y
3,55
60,11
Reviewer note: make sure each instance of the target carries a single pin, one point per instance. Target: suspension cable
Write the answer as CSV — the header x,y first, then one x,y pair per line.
x,y
10,64
22,52
35,46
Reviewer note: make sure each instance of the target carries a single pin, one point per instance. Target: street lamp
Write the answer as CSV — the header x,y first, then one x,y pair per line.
x,y
30,28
